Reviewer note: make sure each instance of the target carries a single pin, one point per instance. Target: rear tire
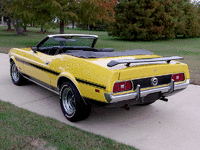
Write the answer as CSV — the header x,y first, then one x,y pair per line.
x,y
72,104
16,77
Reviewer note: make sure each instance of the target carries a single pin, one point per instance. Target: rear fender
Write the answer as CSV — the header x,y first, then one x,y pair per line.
x,y
114,78
66,76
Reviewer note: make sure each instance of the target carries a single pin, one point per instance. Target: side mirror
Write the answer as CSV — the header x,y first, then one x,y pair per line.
x,y
34,49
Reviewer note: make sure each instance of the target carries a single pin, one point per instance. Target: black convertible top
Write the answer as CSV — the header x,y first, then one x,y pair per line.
x,y
92,54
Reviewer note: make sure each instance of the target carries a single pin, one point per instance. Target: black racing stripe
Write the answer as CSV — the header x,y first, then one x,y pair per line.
x,y
39,67
90,83
45,69
19,60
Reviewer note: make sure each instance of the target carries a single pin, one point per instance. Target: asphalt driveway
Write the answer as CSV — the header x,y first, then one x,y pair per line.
x,y
174,125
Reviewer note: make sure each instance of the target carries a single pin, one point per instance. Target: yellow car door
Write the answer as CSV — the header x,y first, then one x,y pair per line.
x,y
37,67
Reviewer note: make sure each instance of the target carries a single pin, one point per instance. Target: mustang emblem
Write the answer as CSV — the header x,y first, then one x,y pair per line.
x,y
154,81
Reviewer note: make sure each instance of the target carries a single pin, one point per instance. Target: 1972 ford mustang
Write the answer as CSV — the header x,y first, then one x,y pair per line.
x,y
70,66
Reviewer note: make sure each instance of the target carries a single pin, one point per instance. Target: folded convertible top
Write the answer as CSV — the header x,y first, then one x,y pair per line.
x,y
92,54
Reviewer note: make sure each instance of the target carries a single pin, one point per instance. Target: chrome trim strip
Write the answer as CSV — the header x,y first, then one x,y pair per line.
x,y
41,85
80,35
142,93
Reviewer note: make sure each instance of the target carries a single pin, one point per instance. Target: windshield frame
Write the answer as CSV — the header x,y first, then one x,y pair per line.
x,y
94,37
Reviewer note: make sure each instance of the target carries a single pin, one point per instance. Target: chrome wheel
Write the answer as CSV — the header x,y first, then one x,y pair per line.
x,y
69,101
15,73
72,104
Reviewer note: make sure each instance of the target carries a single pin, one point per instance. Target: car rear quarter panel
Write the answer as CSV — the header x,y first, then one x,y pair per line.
x,y
91,79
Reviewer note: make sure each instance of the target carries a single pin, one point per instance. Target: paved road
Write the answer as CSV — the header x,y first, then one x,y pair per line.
x,y
174,125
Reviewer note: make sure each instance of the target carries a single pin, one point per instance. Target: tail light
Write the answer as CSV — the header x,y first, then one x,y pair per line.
x,y
122,86
178,77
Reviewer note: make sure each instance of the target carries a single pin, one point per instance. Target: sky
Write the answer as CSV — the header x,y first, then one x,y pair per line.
x,y
196,0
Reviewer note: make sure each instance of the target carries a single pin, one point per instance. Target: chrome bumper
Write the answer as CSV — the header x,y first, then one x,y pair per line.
x,y
138,93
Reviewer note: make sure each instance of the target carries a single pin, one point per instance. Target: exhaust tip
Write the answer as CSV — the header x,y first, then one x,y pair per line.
x,y
164,99
126,107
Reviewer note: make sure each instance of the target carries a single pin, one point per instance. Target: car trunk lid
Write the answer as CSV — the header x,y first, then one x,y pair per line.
x,y
142,69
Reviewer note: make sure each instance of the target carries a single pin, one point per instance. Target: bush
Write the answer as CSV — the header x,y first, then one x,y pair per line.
x,y
152,19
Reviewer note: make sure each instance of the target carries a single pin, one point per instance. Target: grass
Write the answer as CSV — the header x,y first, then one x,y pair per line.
x,y
21,129
187,48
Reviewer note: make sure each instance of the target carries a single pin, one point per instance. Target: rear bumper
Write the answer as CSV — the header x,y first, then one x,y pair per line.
x,y
139,93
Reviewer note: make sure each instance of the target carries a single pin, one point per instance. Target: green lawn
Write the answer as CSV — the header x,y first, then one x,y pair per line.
x,y
21,129
187,48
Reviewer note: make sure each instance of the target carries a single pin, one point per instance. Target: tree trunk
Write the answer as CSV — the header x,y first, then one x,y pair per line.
x,y
72,25
25,29
18,27
41,31
2,20
89,24
9,24
62,25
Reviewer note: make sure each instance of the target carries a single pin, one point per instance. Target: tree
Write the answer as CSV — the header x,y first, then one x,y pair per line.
x,y
170,16
95,11
181,19
65,11
152,19
6,14
43,11
18,12
192,20
23,11
9,24
138,19
198,6
9,9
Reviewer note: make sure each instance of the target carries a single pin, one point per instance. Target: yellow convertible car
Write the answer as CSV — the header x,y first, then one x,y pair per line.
x,y
70,66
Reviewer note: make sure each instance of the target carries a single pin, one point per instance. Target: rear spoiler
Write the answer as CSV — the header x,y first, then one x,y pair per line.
x,y
129,61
